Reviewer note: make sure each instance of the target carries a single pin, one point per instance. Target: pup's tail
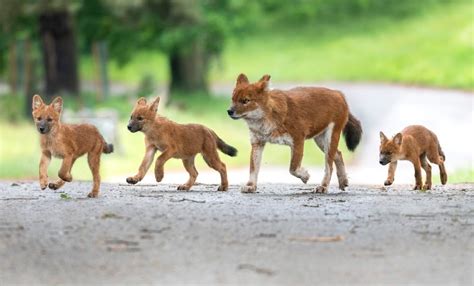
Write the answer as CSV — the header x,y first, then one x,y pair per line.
x,y
224,147
352,132
108,148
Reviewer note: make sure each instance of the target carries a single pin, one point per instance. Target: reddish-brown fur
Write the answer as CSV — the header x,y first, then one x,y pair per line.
x,y
416,144
68,142
290,117
182,141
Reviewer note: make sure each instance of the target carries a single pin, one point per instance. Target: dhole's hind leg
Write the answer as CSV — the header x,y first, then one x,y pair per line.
x,y
341,171
329,141
418,179
296,170
193,173
211,157
56,185
427,167
93,158
436,159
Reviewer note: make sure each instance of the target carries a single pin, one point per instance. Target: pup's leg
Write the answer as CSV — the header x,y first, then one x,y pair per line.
x,y
93,158
160,162
56,185
144,166
65,170
43,169
211,157
434,158
391,173
255,160
297,151
417,165
427,167
193,173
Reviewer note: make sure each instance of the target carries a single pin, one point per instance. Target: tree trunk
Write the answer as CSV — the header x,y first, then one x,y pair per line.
x,y
189,68
59,52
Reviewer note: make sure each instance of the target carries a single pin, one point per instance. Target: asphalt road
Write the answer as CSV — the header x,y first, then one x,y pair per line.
x,y
284,234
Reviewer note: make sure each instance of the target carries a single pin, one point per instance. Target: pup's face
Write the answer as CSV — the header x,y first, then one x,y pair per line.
x,y
248,98
46,117
389,148
143,114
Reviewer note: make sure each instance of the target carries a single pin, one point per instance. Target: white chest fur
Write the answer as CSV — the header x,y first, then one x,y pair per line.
x,y
266,131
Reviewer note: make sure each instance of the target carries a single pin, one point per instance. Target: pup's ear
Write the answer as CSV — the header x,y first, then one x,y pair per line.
x,y
383,138
141,101
57,104
264,82
37,102
397,139
242,79
154,104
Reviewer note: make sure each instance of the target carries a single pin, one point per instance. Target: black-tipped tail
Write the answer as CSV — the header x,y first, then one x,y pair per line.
x,y
352,132
108,148
225,148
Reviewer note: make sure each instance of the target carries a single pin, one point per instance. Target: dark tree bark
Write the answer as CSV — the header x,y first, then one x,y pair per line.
x,y
58,45
189,68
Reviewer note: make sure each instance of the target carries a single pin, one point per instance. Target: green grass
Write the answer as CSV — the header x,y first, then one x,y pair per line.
x,y
433,47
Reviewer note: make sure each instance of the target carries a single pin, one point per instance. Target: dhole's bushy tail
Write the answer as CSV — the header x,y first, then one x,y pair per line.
x,y
108,148
224,147
352,132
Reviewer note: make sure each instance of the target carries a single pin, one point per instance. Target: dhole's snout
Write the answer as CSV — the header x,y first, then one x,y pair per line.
x,y
43,127
231,113
384,160
133,127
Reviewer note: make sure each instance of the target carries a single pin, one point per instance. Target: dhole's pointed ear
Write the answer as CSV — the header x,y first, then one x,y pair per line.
x,y
37,102
57,104
397,139
383,138
154,104
242,79
264,82
141,101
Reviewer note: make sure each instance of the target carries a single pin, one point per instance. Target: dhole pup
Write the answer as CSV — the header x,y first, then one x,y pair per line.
x,y
290,117
68,142
416,144
173,140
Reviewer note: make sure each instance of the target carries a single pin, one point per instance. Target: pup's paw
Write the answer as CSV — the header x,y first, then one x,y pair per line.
x,y
417,187
93,194
159,177
184,187
54,186
132,180
388,182
222,188
321,190
65,177
43,185
248,189
427,187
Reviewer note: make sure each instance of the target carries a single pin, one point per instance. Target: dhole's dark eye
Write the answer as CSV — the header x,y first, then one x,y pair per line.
x,y
140,118
244,101
49,119
38,118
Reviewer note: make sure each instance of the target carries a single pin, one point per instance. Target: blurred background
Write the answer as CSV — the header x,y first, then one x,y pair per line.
x,y
399,62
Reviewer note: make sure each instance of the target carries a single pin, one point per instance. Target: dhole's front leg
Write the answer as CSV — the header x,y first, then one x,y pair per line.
x,y
93,158
391,173
417,166
65,170
43,169
160,162
296,157
255,160
144,166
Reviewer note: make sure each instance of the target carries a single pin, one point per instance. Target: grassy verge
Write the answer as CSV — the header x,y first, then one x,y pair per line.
x,y
432,47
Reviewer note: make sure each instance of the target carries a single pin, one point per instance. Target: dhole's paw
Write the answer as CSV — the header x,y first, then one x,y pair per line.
x,y
159,177
132,180
248,189
43,185
302,174
427,187
93,195
388,182
222,188
321,190
417,187
65,177
184,187
54,186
